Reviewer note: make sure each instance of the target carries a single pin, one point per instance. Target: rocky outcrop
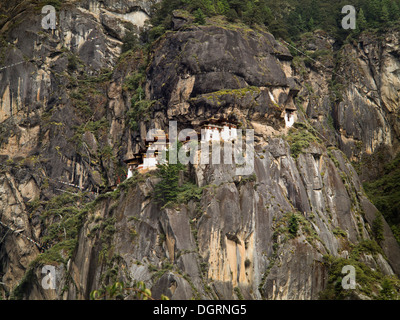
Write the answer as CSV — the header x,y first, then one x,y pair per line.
x,y
235,241
354,91
64,118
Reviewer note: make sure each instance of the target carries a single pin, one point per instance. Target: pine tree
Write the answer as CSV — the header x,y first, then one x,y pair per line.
x,y
222,7
264,13
238,5
373,12
232,15
249,16
208,7
167,189
301,23
394,11
310,24
315,12
199,16
361,21
385,14
388,291
295,24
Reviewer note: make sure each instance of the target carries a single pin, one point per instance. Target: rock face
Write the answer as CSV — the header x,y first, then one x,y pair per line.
x,y
267,235
364,112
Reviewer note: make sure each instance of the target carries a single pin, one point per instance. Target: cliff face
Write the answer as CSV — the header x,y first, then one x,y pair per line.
x,y
279,233
354,91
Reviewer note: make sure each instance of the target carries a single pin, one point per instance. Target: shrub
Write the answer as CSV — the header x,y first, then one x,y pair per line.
x,y
388,290
199,17
130,41
385,195
299,138
293,225
377,228
167,189
72,63
339,232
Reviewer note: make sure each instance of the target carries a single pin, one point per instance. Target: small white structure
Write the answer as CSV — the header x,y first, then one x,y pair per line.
x,y
150,162
229,133
216,132
130,172
210,133
290,117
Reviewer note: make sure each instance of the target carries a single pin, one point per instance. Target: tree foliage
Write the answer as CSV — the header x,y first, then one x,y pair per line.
x,y
284,18
171,189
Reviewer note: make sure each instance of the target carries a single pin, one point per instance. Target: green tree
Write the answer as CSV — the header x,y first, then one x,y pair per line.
x,y
293,226
394,11
222,7
373,12
130,41
250,16
387,292
208,7
315,12
199,16
238,5
167,190
296,24
385,14
361,21
377,228
232,15
311,24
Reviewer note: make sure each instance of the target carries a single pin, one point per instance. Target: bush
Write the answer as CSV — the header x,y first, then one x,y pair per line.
x,y
139,109
72,63
300,138
293,225
384,193
167,189
388,290
199,17
134,81
377,228
130,41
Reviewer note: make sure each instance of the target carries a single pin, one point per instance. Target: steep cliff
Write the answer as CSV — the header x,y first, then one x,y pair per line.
x,y
74,107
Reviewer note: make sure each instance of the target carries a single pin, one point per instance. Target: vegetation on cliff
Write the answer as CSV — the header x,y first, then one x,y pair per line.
x,y
288,18
229,207
385,194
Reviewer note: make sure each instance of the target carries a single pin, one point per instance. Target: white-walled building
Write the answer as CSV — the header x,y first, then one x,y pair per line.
x,y
290,117
219,131
212,130
149,159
